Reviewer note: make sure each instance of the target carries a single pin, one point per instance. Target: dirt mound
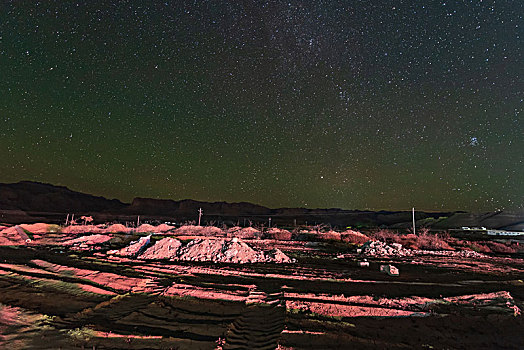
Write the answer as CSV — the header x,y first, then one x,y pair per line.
x,y
236,251
13,236
117,228
211,231
166,248
228,251
276,255
279,234
192,230
132,249
163,228
145,228
89,240
202,250
36,228
188,230
244,233
77,229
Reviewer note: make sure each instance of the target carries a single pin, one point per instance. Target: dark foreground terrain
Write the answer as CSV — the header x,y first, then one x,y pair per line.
x,y
79,297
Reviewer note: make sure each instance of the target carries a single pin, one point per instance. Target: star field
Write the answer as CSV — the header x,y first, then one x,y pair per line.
x,y
350,104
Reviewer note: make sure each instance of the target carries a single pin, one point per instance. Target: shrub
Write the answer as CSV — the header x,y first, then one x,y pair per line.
x,y
386,236
479,248
445,235
501,248
430,241
410,241
354,237
424,240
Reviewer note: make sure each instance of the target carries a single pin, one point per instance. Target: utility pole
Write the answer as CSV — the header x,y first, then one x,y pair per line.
x,y
199,215
413,212
138,221
67,219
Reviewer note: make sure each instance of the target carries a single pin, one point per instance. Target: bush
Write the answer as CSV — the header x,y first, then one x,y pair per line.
x,y
430,241
479,248
354,237
501,248
386,236
410,241
424,240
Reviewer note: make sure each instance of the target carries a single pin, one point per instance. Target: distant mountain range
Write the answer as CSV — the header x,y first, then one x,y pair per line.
x,y
28,201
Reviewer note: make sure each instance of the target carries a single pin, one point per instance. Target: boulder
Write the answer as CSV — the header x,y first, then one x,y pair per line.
x,y
134,248
389,269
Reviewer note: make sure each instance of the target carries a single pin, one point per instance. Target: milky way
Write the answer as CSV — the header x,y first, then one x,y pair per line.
x,y
351,104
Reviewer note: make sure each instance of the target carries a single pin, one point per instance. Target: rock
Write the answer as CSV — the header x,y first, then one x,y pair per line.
x,y
376,248
381,249
135,247
22,233
389,269
396,246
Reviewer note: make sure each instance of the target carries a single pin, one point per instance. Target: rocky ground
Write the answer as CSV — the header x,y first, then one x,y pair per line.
x,y
109,289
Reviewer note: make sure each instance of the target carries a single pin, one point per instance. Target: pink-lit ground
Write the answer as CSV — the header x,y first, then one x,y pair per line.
x,y
322,300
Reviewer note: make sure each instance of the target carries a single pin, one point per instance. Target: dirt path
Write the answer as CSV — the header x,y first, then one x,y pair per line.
x,y
260,325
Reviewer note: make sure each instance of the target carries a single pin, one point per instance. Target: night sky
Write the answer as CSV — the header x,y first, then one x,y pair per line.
x,y
351,104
